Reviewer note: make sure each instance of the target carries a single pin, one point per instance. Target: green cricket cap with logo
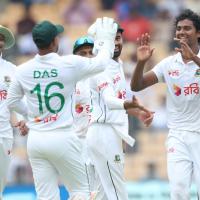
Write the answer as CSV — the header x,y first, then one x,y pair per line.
x,y
85,40
8,37
44,32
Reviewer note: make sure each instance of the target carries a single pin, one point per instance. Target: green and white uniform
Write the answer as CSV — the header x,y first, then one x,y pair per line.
x,y
48,82
6,132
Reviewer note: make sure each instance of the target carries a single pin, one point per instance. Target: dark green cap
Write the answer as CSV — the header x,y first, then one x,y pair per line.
x,y
44,33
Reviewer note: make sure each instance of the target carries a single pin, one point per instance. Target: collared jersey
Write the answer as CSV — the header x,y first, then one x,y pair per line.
x,y
183,92
48,82
114,79
7,71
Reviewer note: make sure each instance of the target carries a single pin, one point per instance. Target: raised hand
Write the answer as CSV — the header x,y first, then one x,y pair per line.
x,y
144,51
185,50
104,32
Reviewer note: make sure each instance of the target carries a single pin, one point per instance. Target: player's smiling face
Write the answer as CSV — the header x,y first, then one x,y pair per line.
x,y
2,42
118,45
186,31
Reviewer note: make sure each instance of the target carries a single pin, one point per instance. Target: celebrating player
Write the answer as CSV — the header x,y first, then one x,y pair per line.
x,y
7,119
83,107
109,124
6,132
181,74
48,82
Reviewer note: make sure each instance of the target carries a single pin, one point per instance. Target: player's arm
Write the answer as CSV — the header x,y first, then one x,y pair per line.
x,y
14,99
140,81
132,107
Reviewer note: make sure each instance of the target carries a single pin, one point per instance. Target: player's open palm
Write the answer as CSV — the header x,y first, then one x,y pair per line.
x,y
184,49
144,51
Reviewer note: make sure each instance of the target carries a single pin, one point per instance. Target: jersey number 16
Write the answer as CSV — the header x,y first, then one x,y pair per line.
x,y
47,97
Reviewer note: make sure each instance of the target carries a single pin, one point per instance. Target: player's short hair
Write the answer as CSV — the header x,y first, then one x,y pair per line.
x,y
189,14
82,41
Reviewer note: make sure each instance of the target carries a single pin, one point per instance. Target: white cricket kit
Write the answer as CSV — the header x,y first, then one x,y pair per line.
x,y
48,82
183,99
6,132
108,95
82,117
6,75
82,112
109,125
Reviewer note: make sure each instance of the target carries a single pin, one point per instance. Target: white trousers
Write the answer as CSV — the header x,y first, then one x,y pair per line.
x,y
183,163
57,153
106,153
5,154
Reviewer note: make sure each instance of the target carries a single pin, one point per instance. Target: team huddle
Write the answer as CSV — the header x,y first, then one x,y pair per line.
x,y
76,111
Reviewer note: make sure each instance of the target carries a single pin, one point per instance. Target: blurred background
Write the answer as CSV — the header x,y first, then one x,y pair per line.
x,y
145,164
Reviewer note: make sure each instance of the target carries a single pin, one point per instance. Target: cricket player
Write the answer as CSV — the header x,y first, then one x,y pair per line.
x,y
83,107
6,131
109,124
83,47
48,82
7,119
181,73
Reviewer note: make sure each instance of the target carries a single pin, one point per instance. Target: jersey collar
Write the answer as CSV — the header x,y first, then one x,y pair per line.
x,y
47,56
113,62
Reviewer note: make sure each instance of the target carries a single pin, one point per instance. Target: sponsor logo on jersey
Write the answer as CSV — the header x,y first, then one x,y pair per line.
x,y
197,73
121,94
3,95
116,79
102,85
78,92
79,108
88,108
171,150
46,119
177,90
117,158
173,73
193,88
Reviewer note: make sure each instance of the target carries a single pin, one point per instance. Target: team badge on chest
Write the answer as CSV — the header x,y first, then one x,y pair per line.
x,y
117,158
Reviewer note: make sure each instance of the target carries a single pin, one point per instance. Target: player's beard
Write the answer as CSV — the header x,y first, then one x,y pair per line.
x,y
117,53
